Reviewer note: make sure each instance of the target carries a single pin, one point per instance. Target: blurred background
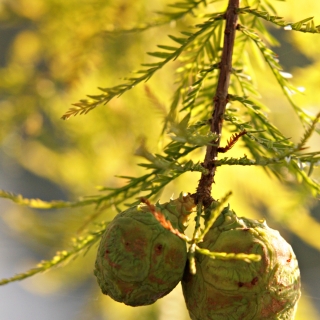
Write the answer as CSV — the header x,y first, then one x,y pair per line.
x,y
53,53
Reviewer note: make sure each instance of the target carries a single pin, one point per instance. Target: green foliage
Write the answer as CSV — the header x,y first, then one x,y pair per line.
x,y
188,44
305,25
40,204
79,245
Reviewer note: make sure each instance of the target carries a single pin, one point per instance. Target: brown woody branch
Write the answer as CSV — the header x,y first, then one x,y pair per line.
x,y
203,193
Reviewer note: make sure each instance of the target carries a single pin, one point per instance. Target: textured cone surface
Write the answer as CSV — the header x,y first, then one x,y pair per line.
x,y
235,289
138,260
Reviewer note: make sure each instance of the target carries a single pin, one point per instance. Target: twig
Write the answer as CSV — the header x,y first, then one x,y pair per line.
x,y
232,141
162,219
203,193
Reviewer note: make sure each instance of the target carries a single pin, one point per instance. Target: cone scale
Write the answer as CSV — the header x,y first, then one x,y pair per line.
x,y
138,260
236,289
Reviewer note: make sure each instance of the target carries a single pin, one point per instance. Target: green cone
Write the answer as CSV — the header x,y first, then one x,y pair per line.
x,y
235,289
138,260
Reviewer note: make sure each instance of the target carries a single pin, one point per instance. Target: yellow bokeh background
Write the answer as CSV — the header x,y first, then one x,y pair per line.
x,y
56,52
